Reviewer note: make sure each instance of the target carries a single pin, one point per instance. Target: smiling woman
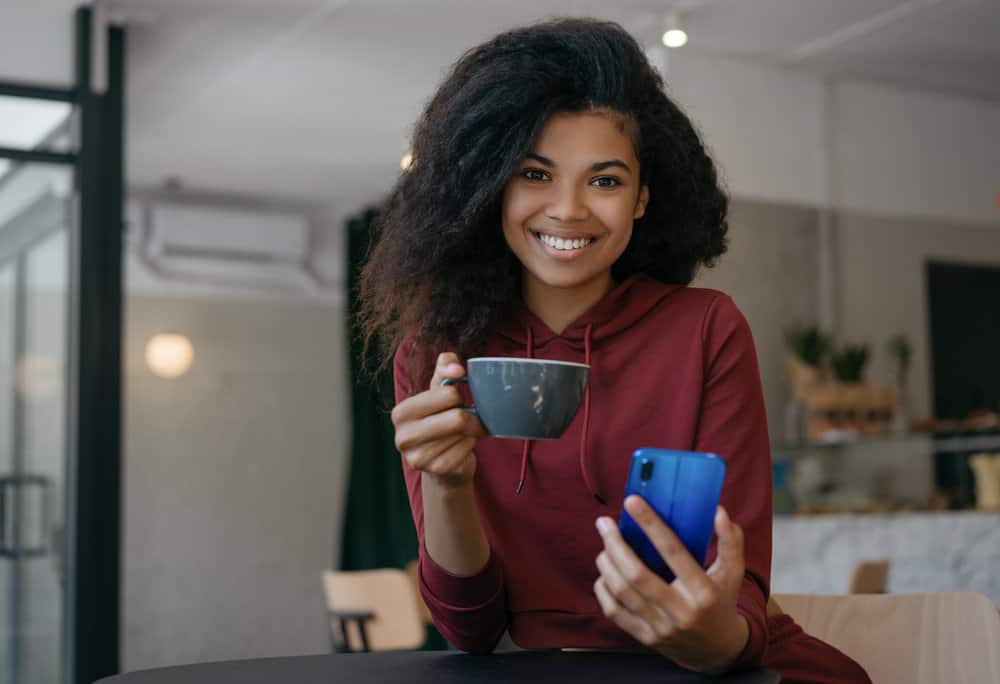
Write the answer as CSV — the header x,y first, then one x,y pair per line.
x,y
558,209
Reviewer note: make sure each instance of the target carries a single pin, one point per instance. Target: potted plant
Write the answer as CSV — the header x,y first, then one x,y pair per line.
x,y
848,362
808,348
901,352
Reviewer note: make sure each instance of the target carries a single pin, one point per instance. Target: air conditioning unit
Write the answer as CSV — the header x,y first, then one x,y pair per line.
x,y
227,246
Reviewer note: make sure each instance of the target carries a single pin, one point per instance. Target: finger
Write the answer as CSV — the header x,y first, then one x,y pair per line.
x,y
426,403
452,460
626,595
621,616
445,423
680,561
729,562
421,457
619,587
448,366
648,584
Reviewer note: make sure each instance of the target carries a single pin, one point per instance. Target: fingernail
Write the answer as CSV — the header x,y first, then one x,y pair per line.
x,y
603,525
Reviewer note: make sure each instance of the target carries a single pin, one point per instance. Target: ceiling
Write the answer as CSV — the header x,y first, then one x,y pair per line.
x,y
313,100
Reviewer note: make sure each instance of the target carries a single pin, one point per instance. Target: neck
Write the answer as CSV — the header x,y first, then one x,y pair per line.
x,y
557,307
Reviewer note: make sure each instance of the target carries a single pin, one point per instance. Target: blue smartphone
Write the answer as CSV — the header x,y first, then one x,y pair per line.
x,y
683,487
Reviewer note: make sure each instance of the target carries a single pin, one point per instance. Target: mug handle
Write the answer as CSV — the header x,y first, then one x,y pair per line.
x,y
453,381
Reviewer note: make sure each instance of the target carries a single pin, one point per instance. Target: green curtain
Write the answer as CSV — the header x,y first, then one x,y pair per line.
x,y
378,527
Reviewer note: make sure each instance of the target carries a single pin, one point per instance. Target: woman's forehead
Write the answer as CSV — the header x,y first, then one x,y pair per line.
x,y
599,132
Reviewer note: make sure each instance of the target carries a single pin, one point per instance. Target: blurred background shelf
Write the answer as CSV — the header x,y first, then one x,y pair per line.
x,y
913,471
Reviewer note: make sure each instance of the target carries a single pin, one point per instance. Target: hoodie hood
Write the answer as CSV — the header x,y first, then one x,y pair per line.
x,y
620,309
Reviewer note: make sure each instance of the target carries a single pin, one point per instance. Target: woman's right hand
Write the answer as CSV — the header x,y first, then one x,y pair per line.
x,y
434,434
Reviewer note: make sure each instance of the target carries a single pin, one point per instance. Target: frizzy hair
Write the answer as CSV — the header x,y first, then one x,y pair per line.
x,y
440,270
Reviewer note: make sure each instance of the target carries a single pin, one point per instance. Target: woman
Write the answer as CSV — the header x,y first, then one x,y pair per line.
x,y
558,206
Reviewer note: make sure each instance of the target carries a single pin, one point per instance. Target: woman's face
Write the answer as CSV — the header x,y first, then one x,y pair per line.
x,y
568,209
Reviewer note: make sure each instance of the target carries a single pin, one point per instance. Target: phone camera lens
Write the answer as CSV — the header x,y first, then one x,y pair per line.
x,y
647,471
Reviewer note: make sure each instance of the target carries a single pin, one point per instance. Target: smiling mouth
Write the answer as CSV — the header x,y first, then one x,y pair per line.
x,y
563,244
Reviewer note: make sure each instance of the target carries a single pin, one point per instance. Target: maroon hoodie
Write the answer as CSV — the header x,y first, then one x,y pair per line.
x,y
671,367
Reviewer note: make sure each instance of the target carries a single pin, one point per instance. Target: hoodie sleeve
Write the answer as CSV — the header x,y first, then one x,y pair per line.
x,y
733,424
469,611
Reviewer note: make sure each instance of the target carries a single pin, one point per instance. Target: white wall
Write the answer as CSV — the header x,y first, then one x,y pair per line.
x,y
234,474
762,124
920,155
234,480
887,150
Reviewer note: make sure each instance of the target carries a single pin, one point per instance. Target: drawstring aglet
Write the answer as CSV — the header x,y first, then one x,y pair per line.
x,y
520,486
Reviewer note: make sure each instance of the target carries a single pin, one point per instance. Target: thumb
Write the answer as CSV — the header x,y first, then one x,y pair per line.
x,y
447,366
729,564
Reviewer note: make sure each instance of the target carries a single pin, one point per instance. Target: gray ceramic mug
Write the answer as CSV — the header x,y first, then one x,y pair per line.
x,y
525,398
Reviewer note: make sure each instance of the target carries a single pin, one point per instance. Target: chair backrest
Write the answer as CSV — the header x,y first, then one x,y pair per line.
x,y
387,593
413,570
914,638
869,577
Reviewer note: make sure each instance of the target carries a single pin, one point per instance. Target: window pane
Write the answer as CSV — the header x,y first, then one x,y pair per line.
x,y
33,124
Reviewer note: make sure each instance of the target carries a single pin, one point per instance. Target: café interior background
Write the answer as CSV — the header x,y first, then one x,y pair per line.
x,y
858,139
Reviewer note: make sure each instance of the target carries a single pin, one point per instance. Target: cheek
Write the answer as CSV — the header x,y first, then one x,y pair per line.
x,y
516,206
516,209
617,216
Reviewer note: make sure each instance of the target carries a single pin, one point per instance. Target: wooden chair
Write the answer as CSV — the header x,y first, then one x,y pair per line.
x,y
869,577
413,570
907,638
373,610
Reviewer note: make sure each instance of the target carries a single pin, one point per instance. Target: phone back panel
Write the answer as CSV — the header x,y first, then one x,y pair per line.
x,y
683,487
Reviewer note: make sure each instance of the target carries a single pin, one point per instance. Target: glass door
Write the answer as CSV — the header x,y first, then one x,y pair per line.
x,y
35,206
61,189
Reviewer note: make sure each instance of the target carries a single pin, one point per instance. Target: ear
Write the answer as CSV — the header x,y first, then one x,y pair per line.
x,y
641,202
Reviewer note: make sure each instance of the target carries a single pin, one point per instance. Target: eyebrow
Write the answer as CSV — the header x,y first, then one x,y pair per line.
x,y
599,166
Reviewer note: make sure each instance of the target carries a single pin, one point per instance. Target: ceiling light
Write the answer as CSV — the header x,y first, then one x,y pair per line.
x,y
674,36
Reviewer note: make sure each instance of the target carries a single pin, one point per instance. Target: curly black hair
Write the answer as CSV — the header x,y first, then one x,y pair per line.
x,y
440,269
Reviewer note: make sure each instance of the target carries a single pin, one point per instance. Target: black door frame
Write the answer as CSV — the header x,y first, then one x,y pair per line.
x,y
91,600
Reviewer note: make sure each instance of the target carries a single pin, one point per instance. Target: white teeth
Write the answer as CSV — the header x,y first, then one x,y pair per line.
x,y
565,245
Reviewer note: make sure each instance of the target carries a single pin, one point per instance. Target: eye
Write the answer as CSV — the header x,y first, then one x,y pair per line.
x,y
606,182
534,174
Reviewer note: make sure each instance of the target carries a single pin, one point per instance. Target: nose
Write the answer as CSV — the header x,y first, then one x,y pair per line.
x,y
566,204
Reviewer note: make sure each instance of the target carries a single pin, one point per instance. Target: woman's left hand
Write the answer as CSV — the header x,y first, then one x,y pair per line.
x,y
692,620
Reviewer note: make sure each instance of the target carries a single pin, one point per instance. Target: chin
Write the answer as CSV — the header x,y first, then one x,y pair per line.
x,y
563,280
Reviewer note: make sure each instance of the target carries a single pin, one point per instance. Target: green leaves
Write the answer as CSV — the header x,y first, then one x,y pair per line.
x,y
899,347
848,362
808,343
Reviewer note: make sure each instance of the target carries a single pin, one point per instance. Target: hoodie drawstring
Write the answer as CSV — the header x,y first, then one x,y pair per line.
x,y
586,422
526,452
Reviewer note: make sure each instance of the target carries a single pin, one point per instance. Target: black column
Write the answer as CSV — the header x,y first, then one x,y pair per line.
x,y
94,595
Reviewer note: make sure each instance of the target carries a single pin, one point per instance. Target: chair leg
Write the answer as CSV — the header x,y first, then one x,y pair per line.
x,y
362,627
343,619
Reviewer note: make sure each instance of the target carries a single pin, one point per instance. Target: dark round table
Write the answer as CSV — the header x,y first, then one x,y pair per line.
x,y
439,667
